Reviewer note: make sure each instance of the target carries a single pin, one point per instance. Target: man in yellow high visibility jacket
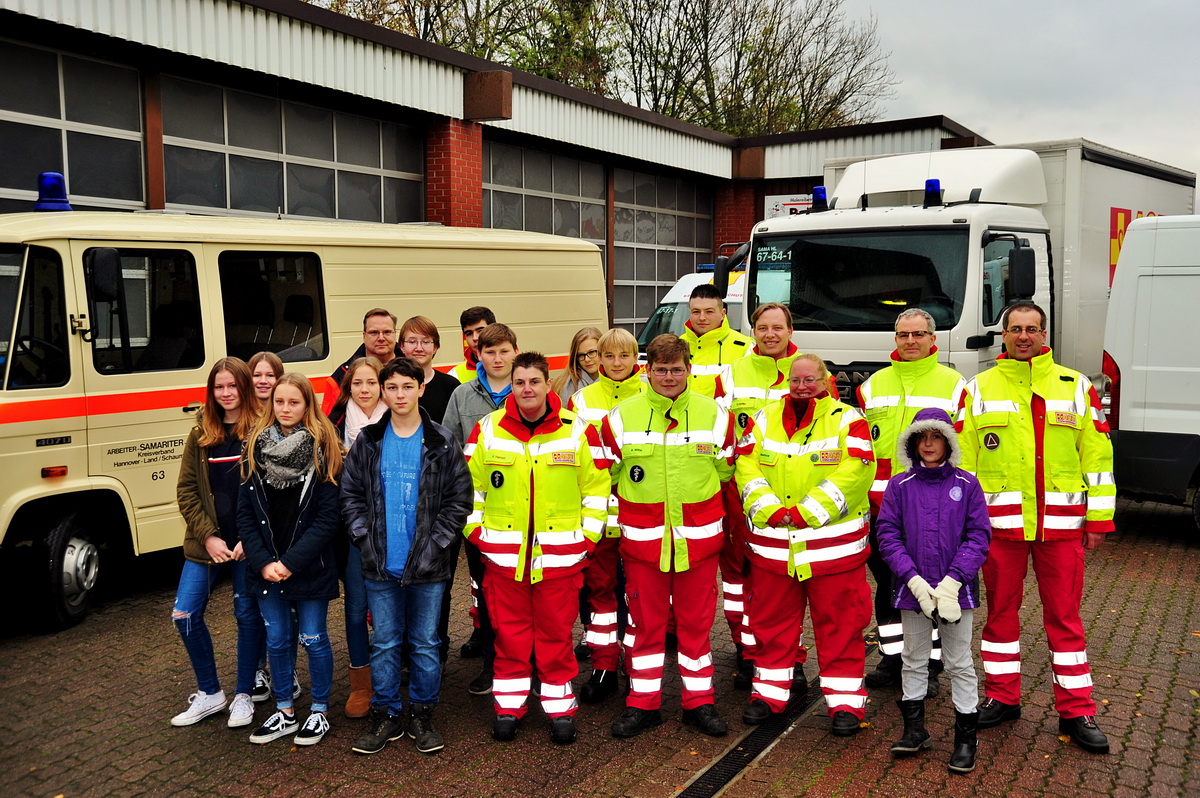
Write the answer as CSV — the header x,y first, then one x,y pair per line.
x,y
1035,435
713,344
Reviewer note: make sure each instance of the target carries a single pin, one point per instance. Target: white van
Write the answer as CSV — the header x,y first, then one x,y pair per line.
x,y
109,323
1152,361
672,313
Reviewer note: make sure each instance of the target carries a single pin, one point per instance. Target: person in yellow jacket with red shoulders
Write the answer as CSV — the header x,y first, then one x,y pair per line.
x,y
670,450
756,380
804,487
713,344
541,500
1034,434
891,399
618,380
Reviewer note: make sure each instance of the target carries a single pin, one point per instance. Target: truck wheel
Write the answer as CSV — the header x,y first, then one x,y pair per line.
x,y
1196,506
72,567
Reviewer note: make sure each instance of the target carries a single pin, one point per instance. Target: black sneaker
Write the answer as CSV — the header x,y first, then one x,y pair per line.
x,y
481,684
756,712
993,713
562,730
634,721
504,728
706,719
384,729
886,673
420,728
844,724
473,648
602,685
278,725
262,686
1086,734
313,731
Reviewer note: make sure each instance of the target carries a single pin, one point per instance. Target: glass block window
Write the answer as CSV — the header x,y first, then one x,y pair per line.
x,y
245,153
81,117
662,228
526,189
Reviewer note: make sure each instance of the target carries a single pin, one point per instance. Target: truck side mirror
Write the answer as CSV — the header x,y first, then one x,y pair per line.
x,y
721,274
104,274
1022,274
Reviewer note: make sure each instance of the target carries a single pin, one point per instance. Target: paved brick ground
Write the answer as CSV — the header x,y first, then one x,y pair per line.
x,y
86,711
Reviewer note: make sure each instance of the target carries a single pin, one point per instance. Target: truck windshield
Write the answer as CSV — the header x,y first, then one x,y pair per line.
x,y
10,282
861,280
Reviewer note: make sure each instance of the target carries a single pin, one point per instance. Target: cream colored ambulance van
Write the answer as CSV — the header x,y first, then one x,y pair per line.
x,y
109,323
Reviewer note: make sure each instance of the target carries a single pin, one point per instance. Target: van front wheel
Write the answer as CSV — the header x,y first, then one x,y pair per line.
x,y
72,568
1196,506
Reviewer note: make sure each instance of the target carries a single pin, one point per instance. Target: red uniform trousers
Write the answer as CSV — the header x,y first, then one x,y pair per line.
x,y
649,593
735,571
600,577
1058,566
533,620
840,605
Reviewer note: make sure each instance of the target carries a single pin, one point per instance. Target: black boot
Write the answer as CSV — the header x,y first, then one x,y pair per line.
x,y
965,726
886,673
915,737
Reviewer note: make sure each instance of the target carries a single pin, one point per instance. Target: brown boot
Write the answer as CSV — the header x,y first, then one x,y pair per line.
x,y
358,705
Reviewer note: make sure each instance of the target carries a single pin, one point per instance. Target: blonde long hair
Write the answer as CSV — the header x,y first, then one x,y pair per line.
x,y
573,371
212,420
327,449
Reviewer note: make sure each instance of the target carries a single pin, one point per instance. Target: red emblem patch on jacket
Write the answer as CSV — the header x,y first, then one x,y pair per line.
x,y
562,458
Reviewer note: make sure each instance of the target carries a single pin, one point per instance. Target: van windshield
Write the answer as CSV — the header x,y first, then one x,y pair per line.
x,y
671,317
10,282
862,279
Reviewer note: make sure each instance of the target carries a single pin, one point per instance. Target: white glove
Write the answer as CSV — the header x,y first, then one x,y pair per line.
x,y
947,599
923,593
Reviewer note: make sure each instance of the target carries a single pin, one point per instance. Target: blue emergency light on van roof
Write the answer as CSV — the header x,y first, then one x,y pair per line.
x,y
706,267
933,192
820,199
52,193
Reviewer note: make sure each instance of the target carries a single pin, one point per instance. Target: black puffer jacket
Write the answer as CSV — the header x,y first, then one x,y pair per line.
x,y
309,553
444,499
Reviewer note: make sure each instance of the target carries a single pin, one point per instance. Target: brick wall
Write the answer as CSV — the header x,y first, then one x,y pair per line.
x,y
453,173
735,213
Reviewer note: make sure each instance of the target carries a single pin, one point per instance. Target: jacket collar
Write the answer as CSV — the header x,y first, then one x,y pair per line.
x,y
792,349
818,406
630,386
1034,371
915,368
513,424
713,336
672,410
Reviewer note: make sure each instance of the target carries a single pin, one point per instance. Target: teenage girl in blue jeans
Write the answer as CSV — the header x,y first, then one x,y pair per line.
x,y
288,514
208,492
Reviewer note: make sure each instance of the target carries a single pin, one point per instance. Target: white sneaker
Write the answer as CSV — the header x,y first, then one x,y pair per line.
x,y
313,730
278,725
200,706
262,685
241,711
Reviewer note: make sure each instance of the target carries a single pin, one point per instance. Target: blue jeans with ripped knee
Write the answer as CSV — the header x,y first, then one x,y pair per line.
x,y
282,626
196,583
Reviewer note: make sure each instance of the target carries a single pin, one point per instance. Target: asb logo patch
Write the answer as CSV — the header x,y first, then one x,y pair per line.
x,y
991,441
637,473
497,479
875,432
1065,419
828,457
705,449
563,458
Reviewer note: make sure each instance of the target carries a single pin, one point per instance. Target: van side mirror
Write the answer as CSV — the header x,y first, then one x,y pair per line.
x,y
721,274
103,266
1022,272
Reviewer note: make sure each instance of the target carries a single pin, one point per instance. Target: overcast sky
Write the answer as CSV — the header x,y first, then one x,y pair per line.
x,y
1123,74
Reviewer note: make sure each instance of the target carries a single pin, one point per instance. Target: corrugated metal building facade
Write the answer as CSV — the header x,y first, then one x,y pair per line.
x,y
276,107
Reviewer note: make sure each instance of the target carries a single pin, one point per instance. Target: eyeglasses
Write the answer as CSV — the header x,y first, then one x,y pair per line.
x,y
380,333
422,342
805,381
1030,330
587,354
661,372
916,335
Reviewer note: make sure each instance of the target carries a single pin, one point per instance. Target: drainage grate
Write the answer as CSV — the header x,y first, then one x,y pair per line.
x,y
713,779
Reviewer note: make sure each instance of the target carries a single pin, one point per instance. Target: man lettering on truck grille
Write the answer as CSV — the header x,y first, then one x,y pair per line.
x,y
890,399
379,342
1034,434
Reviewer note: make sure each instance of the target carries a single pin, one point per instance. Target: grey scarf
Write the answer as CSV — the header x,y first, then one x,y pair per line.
x,y
283,459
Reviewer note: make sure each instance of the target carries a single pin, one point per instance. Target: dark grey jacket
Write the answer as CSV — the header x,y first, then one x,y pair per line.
x,y
444,499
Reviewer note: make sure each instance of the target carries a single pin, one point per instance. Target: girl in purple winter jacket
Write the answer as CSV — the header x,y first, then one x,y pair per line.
x,y
934,533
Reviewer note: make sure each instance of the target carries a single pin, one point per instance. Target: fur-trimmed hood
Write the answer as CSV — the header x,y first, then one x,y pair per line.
x,y
928,418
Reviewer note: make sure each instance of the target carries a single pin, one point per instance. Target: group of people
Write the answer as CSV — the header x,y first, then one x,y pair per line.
x,y
627,489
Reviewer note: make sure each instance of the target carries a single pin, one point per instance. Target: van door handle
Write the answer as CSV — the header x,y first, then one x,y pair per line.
x,y
192,408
